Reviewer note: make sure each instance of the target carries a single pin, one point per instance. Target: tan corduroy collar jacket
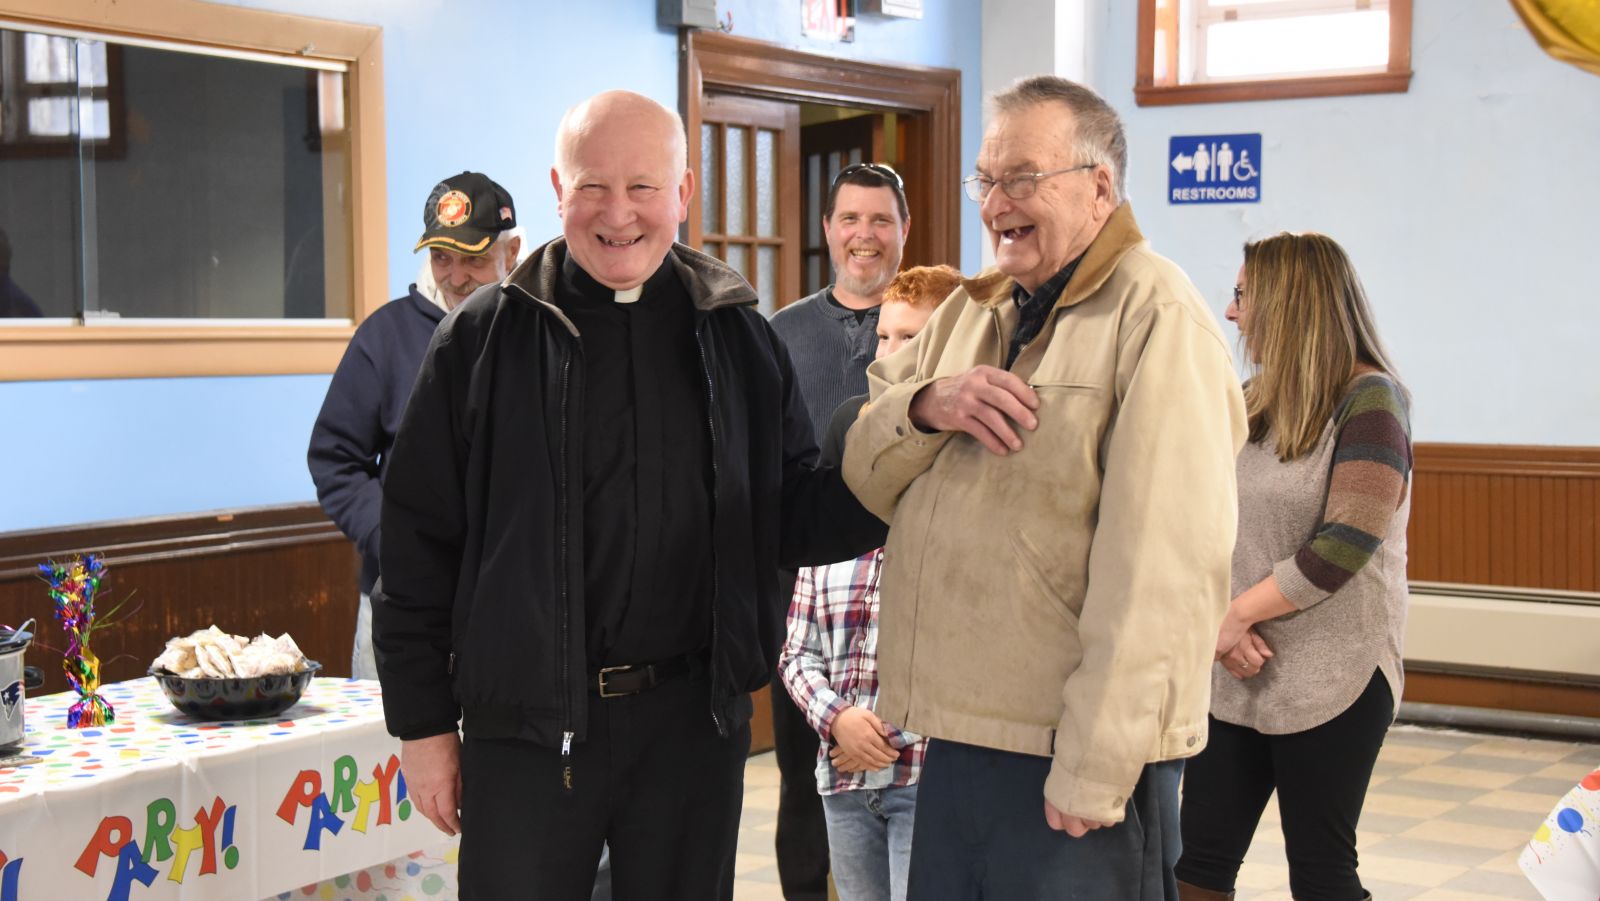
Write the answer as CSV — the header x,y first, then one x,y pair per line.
x,y
1063,600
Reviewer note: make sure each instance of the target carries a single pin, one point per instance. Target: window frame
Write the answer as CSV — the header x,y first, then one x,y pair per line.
x,y
49,351
1395,79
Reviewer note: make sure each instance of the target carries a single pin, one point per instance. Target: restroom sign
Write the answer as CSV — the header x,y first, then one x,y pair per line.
x,y
1214,169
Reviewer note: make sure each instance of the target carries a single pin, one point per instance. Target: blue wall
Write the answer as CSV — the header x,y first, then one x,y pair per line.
x,y
472,84
1470,206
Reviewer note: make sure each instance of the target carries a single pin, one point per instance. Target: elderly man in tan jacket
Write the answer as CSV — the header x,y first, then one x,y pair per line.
x,y
1055,455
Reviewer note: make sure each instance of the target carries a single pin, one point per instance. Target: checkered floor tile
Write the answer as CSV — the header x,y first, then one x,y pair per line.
x,y
1445,819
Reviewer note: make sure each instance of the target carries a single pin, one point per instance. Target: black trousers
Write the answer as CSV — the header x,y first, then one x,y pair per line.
x,y
802,839
1321,777
654,779
981,835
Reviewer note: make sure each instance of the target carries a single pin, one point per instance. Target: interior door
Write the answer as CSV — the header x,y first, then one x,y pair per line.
x,y
748,212
825,148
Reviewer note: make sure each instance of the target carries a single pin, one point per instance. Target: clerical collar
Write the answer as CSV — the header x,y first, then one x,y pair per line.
x,y
584,284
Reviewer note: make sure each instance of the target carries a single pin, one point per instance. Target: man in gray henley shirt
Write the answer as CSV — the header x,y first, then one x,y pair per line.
x,y
831,336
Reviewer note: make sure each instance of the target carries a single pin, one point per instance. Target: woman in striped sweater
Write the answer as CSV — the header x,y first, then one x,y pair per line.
x,y
1308,672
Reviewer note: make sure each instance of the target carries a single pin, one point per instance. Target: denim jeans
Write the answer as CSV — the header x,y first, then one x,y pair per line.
x,y
869,841
363,665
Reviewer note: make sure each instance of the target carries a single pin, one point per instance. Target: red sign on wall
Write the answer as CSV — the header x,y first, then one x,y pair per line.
x,y
829,20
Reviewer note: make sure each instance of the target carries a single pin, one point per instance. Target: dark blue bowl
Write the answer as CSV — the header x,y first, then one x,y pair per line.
x,y
236,699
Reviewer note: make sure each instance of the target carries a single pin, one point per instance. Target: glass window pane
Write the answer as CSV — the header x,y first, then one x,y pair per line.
x,y
738,199
766,183
818,196
96,121
231,203
1341,41
767,278
855,155
96,76
50,117
739,258
48,59
39,204
710,189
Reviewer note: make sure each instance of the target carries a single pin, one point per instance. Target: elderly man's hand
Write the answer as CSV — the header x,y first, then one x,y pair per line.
x,y
432,768
1077,827
984,402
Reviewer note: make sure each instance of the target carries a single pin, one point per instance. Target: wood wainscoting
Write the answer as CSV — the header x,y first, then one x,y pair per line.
x,y
1511,515
263,569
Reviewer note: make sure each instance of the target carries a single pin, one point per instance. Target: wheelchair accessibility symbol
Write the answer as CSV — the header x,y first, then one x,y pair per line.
x,y
1214,169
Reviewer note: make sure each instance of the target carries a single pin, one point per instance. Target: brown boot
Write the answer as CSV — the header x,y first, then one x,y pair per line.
x,y
1187,892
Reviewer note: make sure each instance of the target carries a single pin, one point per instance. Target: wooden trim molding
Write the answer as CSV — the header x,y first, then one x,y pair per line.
x,y
1508,459
1396,79
1527,692
1506,515
61,352
714,61
266,569
71,352
158,538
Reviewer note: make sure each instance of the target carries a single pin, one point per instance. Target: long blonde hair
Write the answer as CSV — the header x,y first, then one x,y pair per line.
x,y
1309,328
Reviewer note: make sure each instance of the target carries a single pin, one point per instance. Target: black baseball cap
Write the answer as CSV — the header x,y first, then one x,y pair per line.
x,y
464,213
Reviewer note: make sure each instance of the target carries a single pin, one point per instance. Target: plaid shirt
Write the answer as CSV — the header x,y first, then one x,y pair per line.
x,y
830,663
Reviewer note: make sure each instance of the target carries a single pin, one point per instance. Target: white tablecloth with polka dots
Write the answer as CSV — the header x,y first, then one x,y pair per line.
x,y
307,804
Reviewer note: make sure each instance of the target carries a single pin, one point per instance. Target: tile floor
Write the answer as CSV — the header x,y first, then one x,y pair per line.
x,y
1445,819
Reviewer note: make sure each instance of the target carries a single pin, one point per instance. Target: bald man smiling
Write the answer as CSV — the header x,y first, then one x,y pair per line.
x,y
604,461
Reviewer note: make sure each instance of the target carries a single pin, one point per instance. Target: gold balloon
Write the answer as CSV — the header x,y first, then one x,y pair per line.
x,y
1568,30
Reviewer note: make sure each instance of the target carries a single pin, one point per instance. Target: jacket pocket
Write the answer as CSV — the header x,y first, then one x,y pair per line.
x,y
1065,385
1032,563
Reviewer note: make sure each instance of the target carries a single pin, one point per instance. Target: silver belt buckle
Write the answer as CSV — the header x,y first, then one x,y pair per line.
x,y
606,692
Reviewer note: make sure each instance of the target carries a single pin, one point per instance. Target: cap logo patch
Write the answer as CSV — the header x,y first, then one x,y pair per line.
x,y
453,209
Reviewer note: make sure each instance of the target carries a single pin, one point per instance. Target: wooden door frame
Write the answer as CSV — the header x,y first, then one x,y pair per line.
x,y
715,61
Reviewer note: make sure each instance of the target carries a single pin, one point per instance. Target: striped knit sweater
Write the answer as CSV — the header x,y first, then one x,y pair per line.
x,y
1331,526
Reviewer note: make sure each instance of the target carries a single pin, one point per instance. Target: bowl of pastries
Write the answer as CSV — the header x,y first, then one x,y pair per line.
x,y
217,676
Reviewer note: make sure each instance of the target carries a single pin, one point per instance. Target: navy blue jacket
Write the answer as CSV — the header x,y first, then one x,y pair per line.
x,y
480,612
350,442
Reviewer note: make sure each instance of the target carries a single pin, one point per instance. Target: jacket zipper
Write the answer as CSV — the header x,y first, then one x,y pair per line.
x,y
566,569
711,427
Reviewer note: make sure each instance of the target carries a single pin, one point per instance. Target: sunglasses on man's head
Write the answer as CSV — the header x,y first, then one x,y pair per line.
x,y
883,169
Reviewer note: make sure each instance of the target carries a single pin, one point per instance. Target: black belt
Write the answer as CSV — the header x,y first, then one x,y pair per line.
x,y
616,681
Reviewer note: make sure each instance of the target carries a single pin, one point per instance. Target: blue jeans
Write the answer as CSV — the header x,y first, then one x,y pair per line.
x,y
869,841
981,834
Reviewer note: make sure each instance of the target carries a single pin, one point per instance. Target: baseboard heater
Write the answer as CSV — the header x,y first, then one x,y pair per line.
x,y
1512,634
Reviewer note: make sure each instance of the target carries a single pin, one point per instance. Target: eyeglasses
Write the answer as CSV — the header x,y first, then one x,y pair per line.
x,y
1020,186
1238,296
883,169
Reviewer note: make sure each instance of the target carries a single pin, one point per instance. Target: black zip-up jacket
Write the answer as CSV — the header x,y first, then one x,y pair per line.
x,y
479,614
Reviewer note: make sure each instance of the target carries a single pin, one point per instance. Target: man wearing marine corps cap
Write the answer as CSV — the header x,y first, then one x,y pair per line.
x,y
468,230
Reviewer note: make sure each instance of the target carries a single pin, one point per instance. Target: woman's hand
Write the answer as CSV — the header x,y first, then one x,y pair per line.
x,y
1247,656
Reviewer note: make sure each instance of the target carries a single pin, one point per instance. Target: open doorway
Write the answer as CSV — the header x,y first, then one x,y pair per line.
x,y
769,127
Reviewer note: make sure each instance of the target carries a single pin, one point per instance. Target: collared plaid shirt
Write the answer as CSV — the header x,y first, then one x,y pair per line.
x,y
830,663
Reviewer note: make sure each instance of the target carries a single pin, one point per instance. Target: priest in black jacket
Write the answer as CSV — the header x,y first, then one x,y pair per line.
x,y
603,463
